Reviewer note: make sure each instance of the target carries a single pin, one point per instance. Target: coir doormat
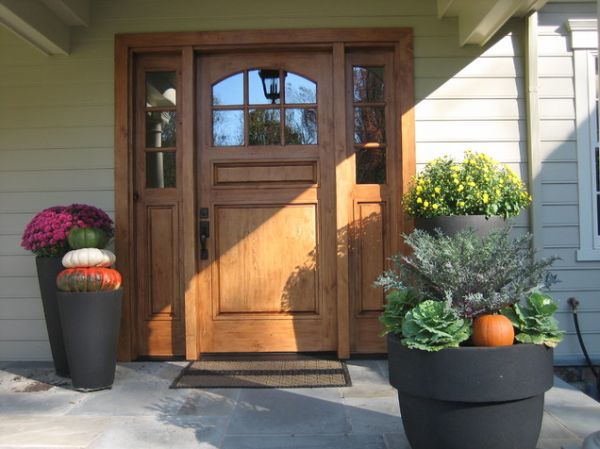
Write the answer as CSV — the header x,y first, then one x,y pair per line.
x,y
303,373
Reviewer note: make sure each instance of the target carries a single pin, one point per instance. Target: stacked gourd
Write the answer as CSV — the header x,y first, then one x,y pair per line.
x,y
87,265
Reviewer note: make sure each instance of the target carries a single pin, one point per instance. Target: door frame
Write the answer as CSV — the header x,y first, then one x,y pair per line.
x,y
187,44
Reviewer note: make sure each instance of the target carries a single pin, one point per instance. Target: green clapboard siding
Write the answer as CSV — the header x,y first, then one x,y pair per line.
x,y
56,120
560,211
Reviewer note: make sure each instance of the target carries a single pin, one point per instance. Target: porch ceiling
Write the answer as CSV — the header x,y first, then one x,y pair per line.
x,y
46,24
479,20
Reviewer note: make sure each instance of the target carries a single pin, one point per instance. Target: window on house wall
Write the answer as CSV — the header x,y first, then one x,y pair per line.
x,y
584,41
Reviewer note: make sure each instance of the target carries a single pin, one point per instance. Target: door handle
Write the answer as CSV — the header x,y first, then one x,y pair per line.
x,y
204,234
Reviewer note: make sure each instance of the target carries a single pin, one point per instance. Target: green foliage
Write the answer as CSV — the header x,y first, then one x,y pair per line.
x,y
535,320
476,275
477,186
398,304
433,325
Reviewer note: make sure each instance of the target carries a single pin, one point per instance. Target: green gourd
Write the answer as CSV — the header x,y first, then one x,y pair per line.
x,y
87,238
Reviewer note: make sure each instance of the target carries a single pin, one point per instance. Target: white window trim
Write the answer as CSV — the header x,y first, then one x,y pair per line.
x,y
584,41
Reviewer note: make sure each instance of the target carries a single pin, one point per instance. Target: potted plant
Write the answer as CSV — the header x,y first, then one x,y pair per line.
x,y
478,192
89,302
452,307
46,235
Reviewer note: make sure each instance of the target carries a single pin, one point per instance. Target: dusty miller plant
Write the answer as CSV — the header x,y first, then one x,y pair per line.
x,y
475,275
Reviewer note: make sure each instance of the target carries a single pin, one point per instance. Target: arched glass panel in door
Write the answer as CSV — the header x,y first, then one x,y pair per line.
x,y
264,107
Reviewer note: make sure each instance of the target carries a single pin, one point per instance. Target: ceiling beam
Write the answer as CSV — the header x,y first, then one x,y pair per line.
x,y
480,20
71,12
36,24
483,19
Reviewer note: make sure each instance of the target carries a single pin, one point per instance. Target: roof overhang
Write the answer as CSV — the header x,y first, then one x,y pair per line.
x,y
45,24
480,20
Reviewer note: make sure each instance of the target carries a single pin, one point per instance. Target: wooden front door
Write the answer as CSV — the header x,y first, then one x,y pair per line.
x,y
258,186
266,202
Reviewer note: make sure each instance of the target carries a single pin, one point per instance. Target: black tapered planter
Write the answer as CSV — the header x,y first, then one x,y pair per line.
x,y
451,224
471,397
47,269
90,323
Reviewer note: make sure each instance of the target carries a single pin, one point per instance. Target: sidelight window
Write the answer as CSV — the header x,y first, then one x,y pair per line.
x,y
369,118
161,129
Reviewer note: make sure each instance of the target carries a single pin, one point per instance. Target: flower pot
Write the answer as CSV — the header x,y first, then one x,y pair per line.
x,y
450,225
90,323
47,269
471,397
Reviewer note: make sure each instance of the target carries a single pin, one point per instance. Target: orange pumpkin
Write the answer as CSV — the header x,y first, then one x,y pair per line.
x,y
90,279
493,330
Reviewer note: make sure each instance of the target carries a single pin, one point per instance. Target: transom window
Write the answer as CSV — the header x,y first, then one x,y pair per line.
x,y
264,107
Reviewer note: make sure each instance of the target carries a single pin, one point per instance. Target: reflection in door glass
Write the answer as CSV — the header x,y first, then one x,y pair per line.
x,y
369,125
264,127
161,129
161,169
299,90
264,86
370,166
229,91
228,128
300,126
368,84
160,89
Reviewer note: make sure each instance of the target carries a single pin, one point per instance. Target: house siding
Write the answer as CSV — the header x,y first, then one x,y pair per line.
x,y
56,123
559,179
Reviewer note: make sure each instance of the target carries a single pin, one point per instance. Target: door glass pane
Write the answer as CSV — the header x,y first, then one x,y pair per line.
x,y
369,125
161,89
228,128
264,127
265,90
300,126
370,166
161,170
299,90
229,91
161,129
368,84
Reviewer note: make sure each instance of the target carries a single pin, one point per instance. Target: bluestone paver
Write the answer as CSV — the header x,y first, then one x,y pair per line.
x,y
305,442
289,411
40,409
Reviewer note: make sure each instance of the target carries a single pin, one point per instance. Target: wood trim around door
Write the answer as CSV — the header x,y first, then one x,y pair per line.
x,y
338,41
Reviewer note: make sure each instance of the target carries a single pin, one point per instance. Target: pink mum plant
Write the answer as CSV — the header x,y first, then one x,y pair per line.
x,y
46,234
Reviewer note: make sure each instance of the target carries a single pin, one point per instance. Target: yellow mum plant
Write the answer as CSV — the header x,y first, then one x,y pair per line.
x,y
477,186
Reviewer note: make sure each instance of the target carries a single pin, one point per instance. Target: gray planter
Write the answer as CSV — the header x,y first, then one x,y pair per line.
x,y
471,397
47,269
90,323
450,225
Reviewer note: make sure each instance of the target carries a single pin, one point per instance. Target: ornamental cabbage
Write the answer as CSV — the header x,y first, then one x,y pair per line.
x,y
535,321
433,325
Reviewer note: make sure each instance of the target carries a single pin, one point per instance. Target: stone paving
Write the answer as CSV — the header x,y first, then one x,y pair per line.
x,y
41,410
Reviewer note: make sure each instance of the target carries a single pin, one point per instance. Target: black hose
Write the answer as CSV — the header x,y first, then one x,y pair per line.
x,y
573,302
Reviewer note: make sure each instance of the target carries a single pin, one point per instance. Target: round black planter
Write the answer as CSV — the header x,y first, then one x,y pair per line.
x,y
90,323
47,269
450,225
471,397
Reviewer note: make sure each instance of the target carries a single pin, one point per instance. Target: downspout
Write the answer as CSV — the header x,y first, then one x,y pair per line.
x,y
534,162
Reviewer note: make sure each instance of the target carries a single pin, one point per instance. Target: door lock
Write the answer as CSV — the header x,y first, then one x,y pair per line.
x,y
204,234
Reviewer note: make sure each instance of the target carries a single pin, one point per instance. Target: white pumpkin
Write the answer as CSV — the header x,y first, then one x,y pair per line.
x,y
88,257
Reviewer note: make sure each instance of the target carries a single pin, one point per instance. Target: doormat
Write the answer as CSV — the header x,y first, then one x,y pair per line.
x,y
305,373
